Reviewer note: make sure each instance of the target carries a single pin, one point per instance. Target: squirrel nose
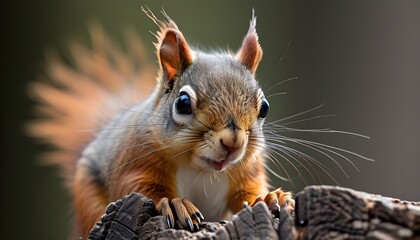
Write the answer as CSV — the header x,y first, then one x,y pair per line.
x,y
231,146
231,141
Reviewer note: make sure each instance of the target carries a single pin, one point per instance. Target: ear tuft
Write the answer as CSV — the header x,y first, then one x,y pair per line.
x,y
250,53
174,54
172,48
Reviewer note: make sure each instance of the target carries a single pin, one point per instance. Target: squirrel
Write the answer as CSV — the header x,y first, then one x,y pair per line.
x,y
194,144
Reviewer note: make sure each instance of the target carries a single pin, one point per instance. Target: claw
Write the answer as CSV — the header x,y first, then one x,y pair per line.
x,y
165,210
200,215
168,221
180,213
189,224
196,217
276,210
276,200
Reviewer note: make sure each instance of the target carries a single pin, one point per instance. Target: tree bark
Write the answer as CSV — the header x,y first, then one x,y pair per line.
x,y
321,212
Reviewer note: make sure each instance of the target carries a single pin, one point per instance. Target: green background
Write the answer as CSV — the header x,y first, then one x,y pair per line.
x,y
360,58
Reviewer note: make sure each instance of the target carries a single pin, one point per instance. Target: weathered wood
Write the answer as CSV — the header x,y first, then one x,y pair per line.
x,y
322,212
325,212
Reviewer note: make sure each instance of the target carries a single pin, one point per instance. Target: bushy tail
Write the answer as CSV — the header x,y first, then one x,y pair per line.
x,y
77,97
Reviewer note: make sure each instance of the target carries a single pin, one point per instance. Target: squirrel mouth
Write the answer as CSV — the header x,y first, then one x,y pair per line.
x,y
216,164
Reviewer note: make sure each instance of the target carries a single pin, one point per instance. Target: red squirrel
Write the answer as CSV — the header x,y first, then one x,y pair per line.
x,y
195,145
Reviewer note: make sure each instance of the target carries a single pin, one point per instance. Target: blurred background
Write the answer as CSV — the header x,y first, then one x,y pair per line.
x,y
361,59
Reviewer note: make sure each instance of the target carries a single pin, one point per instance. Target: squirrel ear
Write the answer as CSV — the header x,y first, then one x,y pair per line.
x,y
250,53
174,54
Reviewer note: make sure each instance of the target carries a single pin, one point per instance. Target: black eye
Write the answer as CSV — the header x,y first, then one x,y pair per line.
x,y
183,104
265,108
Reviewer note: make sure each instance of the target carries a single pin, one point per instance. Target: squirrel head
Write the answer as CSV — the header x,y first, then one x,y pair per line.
x,y
214,106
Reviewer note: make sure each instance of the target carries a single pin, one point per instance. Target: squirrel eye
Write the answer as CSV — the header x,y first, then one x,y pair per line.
x,y
265,108
183,104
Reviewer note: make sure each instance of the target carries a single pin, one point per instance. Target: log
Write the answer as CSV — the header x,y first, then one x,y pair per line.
x,y
321,212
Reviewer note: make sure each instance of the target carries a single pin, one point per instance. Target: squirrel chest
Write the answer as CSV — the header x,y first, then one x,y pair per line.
x,y
208,191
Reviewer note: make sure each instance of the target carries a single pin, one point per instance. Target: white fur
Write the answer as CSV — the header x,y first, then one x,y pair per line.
x,y
207,192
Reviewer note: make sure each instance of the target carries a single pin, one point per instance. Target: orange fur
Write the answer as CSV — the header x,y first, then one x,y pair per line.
x,y
75,102
247,182
89,202
153,178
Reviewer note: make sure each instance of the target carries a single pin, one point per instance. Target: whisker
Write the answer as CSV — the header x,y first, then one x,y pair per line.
x,y
321,130
276,94
139,112
230,176
184,140
204,125
299,114
117,127
309,159
307,119
276,175
144,155
271,158
325,154
317,163
185,151
335,148
101,129
287,129
286,159
281,82
294,158
281,167
279,61
205,189
133,160
217,177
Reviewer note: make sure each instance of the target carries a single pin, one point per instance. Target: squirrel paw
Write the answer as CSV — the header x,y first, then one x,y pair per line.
x,y
186,214
276,200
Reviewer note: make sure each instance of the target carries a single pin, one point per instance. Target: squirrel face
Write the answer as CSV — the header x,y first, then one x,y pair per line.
x,y
221,100
217,107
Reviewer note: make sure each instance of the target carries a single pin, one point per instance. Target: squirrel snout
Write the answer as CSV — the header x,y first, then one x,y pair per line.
x,y
231,141
231,146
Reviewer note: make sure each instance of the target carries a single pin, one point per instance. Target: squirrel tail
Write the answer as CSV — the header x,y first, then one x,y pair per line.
x,y
80,94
